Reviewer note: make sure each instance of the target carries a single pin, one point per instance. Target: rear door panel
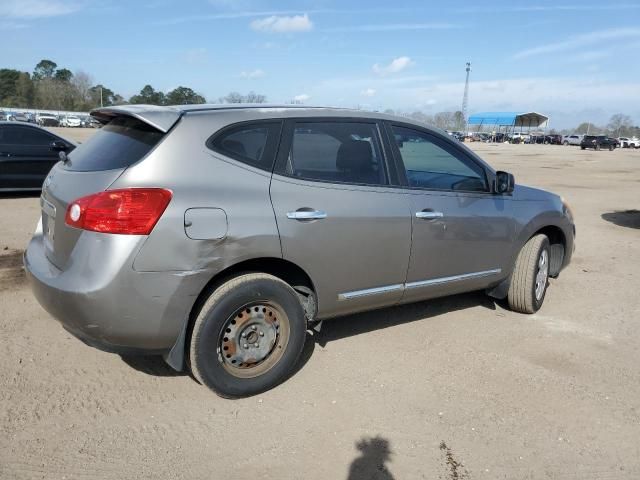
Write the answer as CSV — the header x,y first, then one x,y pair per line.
x,y
357,255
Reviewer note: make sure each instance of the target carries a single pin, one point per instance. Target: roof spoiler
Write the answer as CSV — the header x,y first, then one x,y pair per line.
x,y
161,118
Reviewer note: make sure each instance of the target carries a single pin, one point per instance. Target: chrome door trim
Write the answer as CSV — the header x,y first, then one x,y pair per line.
x,y
418,284
370,291
454,278
429,215
307,215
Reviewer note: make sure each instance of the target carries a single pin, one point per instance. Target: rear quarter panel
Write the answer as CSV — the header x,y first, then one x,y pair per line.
x,y
200,178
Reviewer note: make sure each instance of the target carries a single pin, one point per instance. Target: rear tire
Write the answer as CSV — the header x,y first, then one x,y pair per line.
x,y
565,143
530,277
611,148
248,336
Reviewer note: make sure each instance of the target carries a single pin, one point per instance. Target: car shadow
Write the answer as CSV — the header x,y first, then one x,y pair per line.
x,y
623,218
348,326
343,327
153,365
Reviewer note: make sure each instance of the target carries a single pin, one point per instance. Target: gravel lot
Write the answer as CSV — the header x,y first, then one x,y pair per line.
x,y
451,389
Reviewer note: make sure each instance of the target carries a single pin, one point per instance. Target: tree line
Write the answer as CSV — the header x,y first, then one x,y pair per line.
x,y
49,87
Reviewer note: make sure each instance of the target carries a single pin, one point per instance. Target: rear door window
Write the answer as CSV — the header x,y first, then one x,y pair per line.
x,y
119,144
252,143
337,152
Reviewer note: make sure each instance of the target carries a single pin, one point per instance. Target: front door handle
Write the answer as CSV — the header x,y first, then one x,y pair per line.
x,y
429,215
307,215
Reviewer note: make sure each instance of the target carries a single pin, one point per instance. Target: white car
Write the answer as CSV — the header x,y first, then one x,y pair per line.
x,y
70,121
626,142
574,139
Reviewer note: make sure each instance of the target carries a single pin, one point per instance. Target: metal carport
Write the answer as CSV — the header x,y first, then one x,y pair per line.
x,y
509,120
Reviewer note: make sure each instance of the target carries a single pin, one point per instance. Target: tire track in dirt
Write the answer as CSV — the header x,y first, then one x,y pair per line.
x,y
12,275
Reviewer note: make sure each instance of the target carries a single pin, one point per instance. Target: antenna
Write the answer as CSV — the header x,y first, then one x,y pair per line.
x,y
465,99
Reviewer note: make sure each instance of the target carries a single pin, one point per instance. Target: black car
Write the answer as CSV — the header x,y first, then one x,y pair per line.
x,y
27,153
598,142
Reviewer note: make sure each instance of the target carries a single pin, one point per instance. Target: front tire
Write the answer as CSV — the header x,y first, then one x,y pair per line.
x,y
248,336
530,277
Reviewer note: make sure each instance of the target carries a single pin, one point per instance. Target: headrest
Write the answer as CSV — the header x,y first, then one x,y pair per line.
x,y
355,156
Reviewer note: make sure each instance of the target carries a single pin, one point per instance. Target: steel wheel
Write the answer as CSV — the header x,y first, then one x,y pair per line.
x,y
253,339
543,274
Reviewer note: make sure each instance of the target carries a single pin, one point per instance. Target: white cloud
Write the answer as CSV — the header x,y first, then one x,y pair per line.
x,y
580,41
303,97
283,24
37,8
396,65
368,92
257,73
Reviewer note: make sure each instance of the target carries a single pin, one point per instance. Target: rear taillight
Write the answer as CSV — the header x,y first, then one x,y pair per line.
x,y
131,211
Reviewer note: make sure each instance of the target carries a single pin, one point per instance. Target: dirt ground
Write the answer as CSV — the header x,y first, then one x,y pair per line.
x,y
458,388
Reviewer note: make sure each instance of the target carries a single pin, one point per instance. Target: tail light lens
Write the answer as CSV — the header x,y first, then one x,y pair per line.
x,y
131,211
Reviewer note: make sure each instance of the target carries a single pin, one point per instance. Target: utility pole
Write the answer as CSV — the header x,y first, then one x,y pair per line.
x,y
465,100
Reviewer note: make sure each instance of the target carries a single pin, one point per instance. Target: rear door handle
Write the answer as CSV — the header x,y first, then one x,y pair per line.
x,y
429,215
307,215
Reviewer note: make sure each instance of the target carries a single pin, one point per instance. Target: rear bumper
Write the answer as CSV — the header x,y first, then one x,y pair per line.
x,y
106,303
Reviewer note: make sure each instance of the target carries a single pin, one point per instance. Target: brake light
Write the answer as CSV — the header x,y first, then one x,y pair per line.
x,y
131,211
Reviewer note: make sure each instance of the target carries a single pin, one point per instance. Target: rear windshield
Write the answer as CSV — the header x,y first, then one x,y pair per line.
x,y
119,144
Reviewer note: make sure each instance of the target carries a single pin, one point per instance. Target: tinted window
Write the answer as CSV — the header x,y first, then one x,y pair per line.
x,y
435,165
25,136
119,144
254,144
345,152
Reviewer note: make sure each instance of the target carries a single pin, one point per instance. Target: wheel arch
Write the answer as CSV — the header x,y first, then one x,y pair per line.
x,y
283,269
558,242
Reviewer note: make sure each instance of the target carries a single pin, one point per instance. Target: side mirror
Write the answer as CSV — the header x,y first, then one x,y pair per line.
x,y
504,183
59,146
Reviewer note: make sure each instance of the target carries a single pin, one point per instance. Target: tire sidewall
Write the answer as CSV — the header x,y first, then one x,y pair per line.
x,y
206,339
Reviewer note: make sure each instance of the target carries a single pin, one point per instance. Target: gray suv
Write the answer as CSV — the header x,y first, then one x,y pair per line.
x,y
217,235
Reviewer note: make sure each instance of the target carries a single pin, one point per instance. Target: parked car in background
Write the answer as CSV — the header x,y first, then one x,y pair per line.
x,y
27,153
574,139
93,123
598,142
480,137
553,139
223,256
47,120
519,137
18,117
626,142
70,121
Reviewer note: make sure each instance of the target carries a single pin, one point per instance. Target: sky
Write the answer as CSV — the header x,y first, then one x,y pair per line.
x,y
573,60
